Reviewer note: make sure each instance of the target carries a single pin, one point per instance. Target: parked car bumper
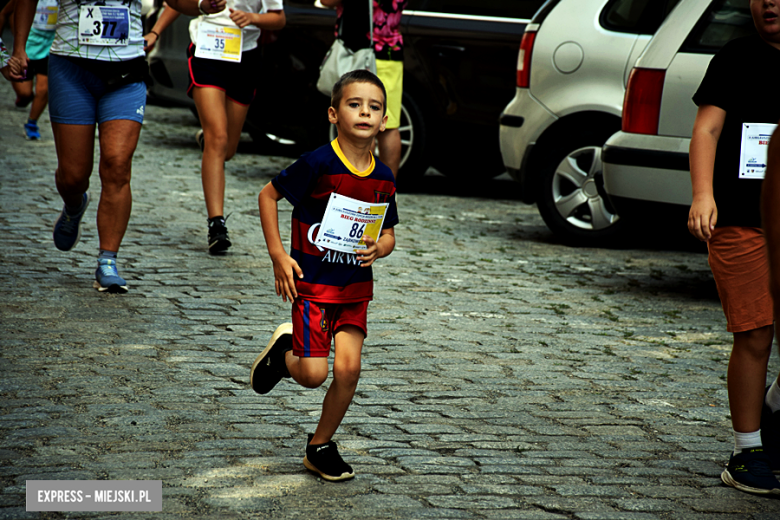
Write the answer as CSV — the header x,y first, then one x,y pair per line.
x,y
520,125
646,168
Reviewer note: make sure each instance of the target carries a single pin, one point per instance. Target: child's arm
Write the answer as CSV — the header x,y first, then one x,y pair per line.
x,y
270,21
166,18
704,142
285,267
379,249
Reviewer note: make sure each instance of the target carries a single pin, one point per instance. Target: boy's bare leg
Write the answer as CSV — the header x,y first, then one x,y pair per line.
x,y
41,98
747,376
309,372
346,372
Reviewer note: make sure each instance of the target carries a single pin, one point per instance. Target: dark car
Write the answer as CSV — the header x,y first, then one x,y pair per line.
x,y
460,60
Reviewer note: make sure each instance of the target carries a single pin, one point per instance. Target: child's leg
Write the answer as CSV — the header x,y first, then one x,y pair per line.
x,y
310,372
747,377
346,372
41,96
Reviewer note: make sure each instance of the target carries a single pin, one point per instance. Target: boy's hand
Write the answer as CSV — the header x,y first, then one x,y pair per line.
x,y
240,18
703,217
367,256
285,270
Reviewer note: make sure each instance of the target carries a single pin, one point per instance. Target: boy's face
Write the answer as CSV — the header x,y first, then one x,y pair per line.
x,y
766,17
359,114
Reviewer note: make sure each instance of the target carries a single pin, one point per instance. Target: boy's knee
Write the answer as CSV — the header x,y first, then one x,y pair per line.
x,y
758,341
347,372
312,376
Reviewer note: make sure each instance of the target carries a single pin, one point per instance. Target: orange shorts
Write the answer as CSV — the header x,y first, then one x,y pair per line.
x,y
740,266
314,324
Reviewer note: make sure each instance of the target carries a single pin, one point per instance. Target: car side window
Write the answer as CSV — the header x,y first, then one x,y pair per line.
x,y
636,16
722,22
523,9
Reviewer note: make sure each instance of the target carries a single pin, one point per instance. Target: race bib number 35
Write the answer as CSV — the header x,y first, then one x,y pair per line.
x,y
105,26
216,42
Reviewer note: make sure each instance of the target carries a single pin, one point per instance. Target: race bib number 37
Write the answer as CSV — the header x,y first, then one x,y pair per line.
x,y
105,26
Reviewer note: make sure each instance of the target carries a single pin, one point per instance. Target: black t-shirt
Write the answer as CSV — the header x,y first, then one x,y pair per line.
x,y
740,79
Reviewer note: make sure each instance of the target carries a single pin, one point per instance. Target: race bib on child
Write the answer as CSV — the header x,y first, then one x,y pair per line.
x,y
103,25
754,150
345,222
217,42
46,15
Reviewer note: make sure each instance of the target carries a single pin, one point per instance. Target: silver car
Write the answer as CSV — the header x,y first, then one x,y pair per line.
x,y
646,164
573,65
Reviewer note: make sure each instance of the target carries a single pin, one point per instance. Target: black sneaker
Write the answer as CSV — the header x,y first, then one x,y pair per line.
x,y
324,459
770,434
269,367
219,241
749,471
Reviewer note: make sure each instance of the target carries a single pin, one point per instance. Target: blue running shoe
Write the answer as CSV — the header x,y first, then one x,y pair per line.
x,y
67,229
107,278
749,471
31,132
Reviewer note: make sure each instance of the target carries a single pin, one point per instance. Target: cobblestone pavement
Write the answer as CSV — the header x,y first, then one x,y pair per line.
x,y
504,377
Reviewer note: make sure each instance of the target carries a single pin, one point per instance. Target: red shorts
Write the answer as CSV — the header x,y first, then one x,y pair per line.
x,y
740,266
315,323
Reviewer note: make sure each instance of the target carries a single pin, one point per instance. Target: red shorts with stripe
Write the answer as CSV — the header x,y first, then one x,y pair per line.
x,y
237,80
315,323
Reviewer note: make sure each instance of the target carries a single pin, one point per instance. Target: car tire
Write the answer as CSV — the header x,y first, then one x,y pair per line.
x,y
571,196
414,162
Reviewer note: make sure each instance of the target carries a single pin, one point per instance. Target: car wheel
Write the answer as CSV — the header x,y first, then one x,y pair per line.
x,y
413,141
572,200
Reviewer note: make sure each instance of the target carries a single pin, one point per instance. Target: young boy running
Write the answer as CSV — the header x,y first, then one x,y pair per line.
x,y
726,213
329,289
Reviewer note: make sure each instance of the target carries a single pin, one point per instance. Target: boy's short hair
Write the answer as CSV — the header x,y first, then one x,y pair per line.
x,y
357,76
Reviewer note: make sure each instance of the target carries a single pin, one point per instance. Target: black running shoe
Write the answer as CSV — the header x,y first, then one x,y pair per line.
x,y
749,471
770,434
324,459
269,367
219,241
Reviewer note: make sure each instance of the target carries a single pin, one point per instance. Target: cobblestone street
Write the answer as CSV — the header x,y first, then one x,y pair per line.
x,y
505,376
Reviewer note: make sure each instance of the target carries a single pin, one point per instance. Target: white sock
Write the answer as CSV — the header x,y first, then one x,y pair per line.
x,y
743,441
773,397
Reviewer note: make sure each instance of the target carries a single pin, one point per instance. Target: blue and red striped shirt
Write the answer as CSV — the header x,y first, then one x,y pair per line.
x,y
331,276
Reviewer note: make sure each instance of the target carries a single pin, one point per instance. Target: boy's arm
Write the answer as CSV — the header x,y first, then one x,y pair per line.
x,y
24,13
704,142
269,21
192,7
285,267
379,249
770,213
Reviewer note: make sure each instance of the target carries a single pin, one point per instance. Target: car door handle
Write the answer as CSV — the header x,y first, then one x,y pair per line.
x,y
444,48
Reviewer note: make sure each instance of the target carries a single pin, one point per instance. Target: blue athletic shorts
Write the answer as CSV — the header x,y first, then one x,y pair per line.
x,y
78,97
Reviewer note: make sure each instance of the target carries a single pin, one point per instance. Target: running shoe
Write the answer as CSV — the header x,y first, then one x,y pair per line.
x,y
749,471
269,367
219,241
67,229
31,132
199,139
107,278
324,459
770,434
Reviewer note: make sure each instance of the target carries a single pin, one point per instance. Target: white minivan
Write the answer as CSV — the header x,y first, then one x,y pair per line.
x,y
646,167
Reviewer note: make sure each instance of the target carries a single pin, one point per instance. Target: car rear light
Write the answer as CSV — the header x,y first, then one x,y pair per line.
x,y
524,59
642,103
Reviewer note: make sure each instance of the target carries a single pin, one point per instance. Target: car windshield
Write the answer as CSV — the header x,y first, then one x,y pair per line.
x,y
722,22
